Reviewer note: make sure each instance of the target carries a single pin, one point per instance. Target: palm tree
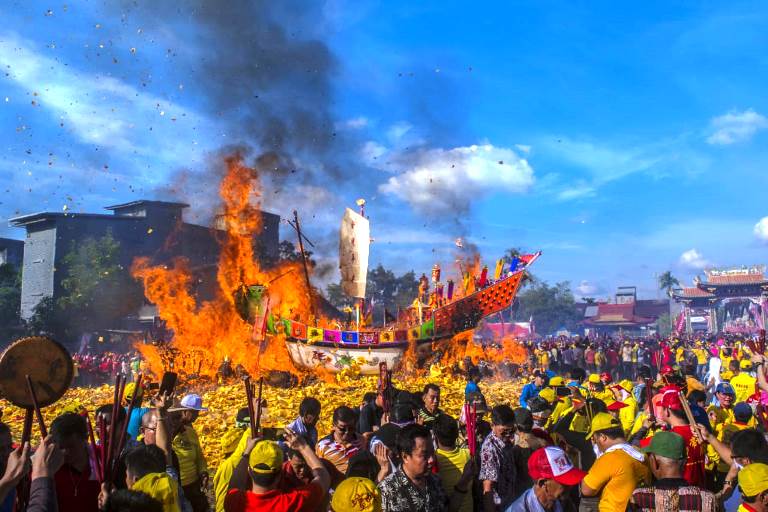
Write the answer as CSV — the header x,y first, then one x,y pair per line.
x,y
667,282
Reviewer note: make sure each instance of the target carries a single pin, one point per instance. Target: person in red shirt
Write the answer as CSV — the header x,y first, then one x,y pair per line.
x,y
673,414
77,487
296,472
256,481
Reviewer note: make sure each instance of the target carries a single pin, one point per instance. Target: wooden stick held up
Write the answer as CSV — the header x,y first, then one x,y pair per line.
x,y
112,422
124,428
689,416
251,411
36,405
257,426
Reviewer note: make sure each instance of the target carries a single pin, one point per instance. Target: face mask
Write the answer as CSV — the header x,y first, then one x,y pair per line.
x,y
597,450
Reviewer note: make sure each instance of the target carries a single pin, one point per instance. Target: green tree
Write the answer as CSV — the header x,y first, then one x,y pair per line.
x,y
668,282
98,290
385,288
336,297
47,319
551,307
10,295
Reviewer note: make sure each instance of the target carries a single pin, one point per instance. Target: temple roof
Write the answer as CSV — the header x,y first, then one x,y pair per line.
x,y
617,315
692,292
746,275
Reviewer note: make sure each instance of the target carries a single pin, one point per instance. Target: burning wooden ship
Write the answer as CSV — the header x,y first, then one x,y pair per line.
x,y
438,313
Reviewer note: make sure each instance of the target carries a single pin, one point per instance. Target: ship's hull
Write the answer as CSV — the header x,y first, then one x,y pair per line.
x,y
336,358
334,350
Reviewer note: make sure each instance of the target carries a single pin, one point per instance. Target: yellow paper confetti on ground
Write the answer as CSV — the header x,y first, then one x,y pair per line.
x,y
283,404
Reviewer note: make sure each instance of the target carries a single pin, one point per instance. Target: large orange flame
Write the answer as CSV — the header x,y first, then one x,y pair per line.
x,y
206,333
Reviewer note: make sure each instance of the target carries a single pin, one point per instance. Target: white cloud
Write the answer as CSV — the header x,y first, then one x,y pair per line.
x,y
603,162
523,147
441,181
398,131
693,259
356,123
761,229
371,152
587,289
576,191
736,127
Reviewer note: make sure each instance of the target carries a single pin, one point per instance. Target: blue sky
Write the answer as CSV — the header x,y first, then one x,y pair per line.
x,y
622,141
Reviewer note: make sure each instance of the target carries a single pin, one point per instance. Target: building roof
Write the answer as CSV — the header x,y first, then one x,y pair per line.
x,y
142,202
32,218
692,293
735,279
617,315
5,242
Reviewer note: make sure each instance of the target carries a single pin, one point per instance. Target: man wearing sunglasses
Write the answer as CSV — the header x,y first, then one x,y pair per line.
x,y
343,442
497,461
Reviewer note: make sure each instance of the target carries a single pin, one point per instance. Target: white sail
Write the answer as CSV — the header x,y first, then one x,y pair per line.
x,y
354,245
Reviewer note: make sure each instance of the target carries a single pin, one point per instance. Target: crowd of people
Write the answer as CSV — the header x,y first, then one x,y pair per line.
x,y
677,425
93,368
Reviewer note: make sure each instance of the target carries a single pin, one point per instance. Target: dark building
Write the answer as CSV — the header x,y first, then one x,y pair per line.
x,y
143,228
11,251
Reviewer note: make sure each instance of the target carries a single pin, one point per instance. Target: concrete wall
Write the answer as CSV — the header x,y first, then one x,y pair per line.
x,y
38,267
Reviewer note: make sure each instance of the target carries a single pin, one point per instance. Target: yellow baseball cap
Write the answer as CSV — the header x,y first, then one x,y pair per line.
x,y
356,494
556,381
230,439
602,421
753,479
130,388
548,394
594,378
745,364
266,457
625,384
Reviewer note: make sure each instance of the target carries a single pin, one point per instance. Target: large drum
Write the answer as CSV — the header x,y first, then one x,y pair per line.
x,y
46,362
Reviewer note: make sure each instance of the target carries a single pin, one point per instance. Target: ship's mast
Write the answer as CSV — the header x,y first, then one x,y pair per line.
x,y
297,226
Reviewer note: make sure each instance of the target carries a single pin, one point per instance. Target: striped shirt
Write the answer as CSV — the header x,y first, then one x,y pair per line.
x,y
672,495
336,453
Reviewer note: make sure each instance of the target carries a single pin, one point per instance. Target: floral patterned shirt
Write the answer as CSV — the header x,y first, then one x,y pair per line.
x,y
497,464
399,494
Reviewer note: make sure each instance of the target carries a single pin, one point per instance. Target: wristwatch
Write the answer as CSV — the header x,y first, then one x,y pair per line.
x,y
731,483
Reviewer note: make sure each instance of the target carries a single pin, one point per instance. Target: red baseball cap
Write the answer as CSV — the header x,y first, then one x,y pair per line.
x,y
671,399
605,376
551,462
666,370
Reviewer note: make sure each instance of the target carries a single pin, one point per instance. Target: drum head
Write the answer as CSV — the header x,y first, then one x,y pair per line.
x,y
47,363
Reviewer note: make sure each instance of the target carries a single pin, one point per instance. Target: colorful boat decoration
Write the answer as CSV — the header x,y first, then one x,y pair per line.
x,y
438,314
333,350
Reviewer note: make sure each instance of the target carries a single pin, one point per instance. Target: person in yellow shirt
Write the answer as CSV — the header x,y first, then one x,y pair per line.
x,y
597,388
193,468
723,412
743,383
562,400
702,358
619,468
622,392
725,359
451,459
742,417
